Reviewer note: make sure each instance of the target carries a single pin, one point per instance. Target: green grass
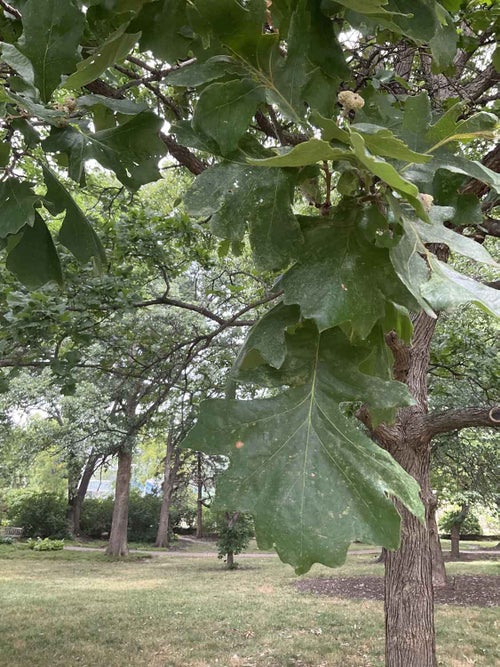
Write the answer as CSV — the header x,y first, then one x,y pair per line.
x,y
469,545
80,608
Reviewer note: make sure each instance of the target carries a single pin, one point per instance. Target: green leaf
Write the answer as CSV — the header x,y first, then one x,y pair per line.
x,y
444,43
17,201
197,74
416,121
288,76
51,116
51,35
308,152
19,62
76,232
224,110
460,165
496,59
448,289
4,153
409,265
296,454
436,232
330,131
72,143
131,150
34,259
164,29
385,171
326,281
240,197
381,141
235,25
115,49
126,107
366,6
265,342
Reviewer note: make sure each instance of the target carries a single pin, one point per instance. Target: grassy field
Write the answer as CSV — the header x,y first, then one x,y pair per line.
x,y
78,608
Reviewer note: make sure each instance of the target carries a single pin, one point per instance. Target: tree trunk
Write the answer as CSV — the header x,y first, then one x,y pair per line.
x,y
76,502
230,560
409,594
409,600
169,476
456,530
117,545
439,579
455,541
199,499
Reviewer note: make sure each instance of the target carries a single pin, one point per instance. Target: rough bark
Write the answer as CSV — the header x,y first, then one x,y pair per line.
x,y
409,612
117,545
230,560
172,460
455,420
455,541
439,579
199,497
456,529
76,502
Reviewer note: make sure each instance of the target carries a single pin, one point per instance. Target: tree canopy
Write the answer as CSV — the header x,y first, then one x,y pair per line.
x,y
348,146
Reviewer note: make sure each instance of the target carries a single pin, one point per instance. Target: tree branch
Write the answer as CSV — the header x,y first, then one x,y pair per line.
x,y
10,10
455,420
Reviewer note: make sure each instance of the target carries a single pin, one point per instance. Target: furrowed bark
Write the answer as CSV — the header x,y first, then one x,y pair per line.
x,y
117,545
172,461
409,597
455,420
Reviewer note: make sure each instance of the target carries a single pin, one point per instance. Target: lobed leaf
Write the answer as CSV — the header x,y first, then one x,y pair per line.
x,y
33,257
76,232
17,210
51,36
311,479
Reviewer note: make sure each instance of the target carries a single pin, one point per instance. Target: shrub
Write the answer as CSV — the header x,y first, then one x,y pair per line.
x,y
143,517
46,544
6,540
41,514
469,526
96,516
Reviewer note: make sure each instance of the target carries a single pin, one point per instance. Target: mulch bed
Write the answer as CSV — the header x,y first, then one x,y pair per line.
x,y
464,590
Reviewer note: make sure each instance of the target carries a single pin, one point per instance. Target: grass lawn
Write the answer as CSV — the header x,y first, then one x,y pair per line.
x,y
79,608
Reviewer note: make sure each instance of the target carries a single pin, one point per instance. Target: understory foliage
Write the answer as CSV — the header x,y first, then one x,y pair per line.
x,y
468,524
235,529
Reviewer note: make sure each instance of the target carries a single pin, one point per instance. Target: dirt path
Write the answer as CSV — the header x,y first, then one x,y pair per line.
x,y
260,554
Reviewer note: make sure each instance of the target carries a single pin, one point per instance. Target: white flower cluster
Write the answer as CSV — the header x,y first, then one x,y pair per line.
x,y
350,100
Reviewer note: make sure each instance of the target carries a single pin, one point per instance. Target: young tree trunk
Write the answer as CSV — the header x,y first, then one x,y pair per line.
x,y
76,502
409,599
230,560
455,531
455,541
172,461
439,579
199,498
409,595
117,545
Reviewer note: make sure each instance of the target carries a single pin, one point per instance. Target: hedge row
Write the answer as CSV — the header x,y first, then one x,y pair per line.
x,y
44,515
